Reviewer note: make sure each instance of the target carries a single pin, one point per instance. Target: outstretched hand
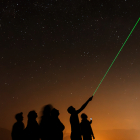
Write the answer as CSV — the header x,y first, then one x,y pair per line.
x,y
90,98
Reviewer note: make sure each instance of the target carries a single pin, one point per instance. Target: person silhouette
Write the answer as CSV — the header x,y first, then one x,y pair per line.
x,y
45,123
74,120
31,132
57,126
18,127
86,129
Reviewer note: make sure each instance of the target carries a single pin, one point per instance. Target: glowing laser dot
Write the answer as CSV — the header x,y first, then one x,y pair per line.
x,y
116,56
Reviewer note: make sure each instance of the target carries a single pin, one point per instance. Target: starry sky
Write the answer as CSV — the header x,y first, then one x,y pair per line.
x,y
57,51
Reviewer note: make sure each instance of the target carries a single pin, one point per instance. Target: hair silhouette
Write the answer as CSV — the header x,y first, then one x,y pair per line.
x,y
74,120
86,129
31,132
57,126
71,109
18,127
45,123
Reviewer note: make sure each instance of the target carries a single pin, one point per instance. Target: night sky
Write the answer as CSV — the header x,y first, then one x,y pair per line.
x,y
57,51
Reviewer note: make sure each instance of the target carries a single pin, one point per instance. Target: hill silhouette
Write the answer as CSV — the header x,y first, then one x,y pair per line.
x,y
115,134
5,134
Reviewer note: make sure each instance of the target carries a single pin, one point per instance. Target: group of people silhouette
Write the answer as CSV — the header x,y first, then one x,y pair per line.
x,y
50,126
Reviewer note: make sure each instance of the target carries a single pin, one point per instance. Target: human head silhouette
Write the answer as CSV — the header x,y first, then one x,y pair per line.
x,y
19,117
71,109
32,115
55,112
47,110
84,116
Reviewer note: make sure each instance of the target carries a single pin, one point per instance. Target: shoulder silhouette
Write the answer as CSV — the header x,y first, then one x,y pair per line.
x,y
18,127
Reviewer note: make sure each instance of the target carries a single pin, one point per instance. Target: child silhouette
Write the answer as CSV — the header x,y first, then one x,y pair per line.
x,y
86,129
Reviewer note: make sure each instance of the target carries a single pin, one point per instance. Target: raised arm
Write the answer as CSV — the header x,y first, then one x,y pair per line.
x,y
84,105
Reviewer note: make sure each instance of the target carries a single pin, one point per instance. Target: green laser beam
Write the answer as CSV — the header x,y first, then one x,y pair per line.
x,y
116,57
